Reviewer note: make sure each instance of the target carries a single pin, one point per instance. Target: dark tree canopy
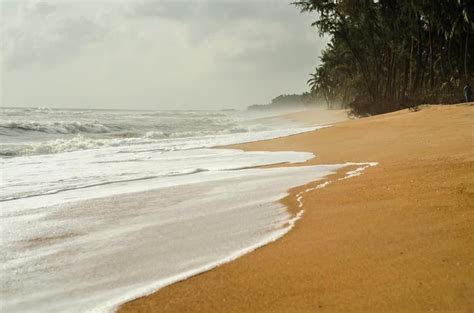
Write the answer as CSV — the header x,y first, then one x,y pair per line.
x,y
389,54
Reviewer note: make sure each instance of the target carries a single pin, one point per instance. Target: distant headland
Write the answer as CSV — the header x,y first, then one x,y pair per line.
x,y
288,101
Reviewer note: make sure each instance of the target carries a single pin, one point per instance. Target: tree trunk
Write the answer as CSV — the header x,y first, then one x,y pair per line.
x,y
410,73
389,65
465,56
326,97
424,73
395,89
357,56
406,74
431,54
419,66
450,40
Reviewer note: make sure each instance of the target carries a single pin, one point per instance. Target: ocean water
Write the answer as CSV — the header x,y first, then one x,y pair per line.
x,y
30,131
101,207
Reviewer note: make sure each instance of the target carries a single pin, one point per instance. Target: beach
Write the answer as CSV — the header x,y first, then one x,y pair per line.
x,y
397,238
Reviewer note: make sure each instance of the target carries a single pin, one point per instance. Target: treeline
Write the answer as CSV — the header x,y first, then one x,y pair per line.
x,y
289,101
388,54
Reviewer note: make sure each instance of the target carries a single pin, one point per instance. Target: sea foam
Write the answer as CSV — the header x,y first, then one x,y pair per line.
x,y
95,253
102,216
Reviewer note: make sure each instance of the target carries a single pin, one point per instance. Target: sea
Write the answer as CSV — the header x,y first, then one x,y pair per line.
x,y
99,207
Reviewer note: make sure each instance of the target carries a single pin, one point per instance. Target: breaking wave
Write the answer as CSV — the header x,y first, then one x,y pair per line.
x,y
57,127
76,143
36,131
186,134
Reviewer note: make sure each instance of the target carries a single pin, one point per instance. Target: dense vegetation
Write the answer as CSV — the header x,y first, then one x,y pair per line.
x,y
288,101
388,54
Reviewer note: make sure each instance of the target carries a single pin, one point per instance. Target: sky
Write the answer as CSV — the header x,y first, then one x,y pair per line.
x,y
161,54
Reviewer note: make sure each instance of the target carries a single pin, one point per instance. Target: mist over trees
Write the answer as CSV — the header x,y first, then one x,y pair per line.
x,y
388,54
288,102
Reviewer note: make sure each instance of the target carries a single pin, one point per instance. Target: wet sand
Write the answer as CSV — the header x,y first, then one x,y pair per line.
x,y
399,238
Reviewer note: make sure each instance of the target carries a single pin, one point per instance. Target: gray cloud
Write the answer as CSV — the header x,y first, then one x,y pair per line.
x,y
212,9
43,7
41,37
166,9
153,54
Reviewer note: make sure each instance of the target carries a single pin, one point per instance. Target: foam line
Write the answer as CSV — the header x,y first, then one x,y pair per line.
x,y
163,231
357,172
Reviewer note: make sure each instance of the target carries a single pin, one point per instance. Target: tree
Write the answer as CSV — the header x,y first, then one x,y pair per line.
x,y
387,54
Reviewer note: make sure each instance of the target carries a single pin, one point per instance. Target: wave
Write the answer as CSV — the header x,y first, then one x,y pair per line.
x,y
187,134
80,142
56,127
164,141
186,114
64,128
103,183
66,145
42,109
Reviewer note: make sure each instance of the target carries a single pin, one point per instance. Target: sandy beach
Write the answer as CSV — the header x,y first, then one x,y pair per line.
x,y
398,238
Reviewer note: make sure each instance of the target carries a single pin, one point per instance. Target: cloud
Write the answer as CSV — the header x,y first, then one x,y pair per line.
x,y
166,9
222,11
154,54
42,7
40,35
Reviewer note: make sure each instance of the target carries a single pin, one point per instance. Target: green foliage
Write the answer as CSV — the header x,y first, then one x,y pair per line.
x,y
305,99
388,54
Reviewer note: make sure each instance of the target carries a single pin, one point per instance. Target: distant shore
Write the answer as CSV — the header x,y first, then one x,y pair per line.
x,y
398,238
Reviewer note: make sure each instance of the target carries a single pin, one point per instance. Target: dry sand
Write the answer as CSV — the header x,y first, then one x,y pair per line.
x,y
399,238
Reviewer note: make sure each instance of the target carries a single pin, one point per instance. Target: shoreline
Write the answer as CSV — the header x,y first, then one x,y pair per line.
x,y
347,254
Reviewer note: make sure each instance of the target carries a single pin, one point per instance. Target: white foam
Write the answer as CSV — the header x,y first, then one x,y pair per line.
x,y
59,127
358,171
97,253
101,220
50,174
30,131
151,140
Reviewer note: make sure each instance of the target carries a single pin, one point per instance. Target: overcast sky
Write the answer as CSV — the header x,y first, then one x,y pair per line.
x,y
162,54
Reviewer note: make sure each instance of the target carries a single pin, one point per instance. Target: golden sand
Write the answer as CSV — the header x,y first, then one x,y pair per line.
x,y
399,238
